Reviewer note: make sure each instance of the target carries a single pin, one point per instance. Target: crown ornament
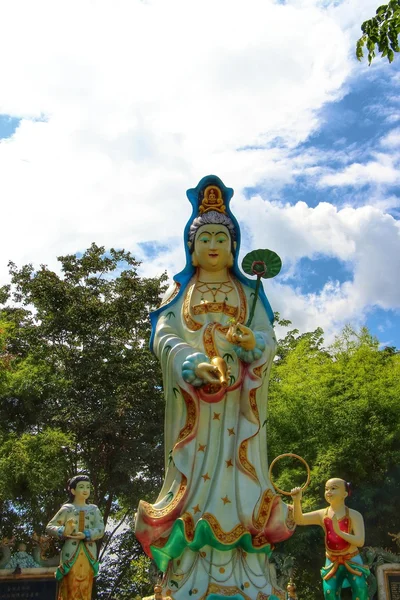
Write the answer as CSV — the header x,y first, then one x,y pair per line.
x,y
212,200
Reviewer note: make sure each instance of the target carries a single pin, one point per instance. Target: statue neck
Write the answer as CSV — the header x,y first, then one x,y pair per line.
x,y
79,504
213,276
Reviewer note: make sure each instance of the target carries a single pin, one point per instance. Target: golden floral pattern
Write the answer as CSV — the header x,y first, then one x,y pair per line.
x,y
190,322
174,293
159,513
240,312
215,307
243,460
188,526
191,418
225,537
264,511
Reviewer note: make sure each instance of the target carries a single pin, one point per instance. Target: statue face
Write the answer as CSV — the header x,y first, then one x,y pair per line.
x,y
335,490
82,491
212,247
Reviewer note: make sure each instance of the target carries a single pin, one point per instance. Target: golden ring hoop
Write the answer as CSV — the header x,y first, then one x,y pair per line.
x,y
304,486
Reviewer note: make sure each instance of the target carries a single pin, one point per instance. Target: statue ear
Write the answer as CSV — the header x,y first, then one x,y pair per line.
x,y
234,245
190,245
73,491
195,261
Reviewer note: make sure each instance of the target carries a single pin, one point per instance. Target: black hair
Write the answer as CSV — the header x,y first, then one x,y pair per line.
x,y
73,482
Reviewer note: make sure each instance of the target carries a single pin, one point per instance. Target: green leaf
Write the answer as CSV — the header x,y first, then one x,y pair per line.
x,y
381,10
271,260
228,358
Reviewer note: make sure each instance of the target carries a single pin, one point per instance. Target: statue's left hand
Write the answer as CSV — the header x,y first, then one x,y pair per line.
x,y
241,336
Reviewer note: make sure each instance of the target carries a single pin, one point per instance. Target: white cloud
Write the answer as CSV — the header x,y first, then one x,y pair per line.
x,y
139,100
381,170
392,139
365,238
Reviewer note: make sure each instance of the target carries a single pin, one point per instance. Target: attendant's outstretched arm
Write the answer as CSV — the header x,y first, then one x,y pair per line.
x,y
356,538
311,518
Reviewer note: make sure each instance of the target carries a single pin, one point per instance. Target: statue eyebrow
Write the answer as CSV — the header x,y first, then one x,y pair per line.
x,y
223,232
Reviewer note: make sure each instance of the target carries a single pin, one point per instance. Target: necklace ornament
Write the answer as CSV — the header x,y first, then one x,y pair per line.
x,y
213,288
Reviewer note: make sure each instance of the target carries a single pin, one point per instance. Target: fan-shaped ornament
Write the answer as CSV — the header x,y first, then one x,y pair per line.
x,y
262,263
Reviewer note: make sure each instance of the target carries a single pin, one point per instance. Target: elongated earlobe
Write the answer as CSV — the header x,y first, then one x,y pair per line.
x,y
230,261
195,261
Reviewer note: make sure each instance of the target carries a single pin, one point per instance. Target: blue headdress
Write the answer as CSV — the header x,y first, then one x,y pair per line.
x,y
210,194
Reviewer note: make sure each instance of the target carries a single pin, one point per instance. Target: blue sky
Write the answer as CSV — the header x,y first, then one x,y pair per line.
x,y
99,142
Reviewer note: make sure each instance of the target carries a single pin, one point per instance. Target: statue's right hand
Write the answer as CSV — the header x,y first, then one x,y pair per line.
x,y
209,373
296,493
69,527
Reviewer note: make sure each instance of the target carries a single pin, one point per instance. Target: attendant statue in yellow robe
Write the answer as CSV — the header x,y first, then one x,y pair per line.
x,y
216,519
78,525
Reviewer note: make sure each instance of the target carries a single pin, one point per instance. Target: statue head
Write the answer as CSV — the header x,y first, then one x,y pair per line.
x,y
212,241
291,590
158,592
336,490
210,201
79,486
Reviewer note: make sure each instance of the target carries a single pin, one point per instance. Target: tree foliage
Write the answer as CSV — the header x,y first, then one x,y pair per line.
x,y
381,31
79,388
338,408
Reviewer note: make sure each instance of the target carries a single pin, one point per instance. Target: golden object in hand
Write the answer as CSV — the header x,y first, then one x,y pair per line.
x,y
219,362
304,486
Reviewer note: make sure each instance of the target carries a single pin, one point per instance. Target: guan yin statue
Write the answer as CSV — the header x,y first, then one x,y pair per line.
x,y
216,520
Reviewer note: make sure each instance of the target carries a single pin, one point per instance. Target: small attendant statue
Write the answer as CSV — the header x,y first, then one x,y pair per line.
x,y
21,559
78,524
157,594
291,591
344,536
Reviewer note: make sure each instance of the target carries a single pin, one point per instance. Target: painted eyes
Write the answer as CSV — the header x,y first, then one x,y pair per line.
x,y
206,240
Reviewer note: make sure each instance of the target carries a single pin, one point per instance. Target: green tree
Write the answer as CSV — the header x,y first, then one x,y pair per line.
x,y
79,387
338,408
381,31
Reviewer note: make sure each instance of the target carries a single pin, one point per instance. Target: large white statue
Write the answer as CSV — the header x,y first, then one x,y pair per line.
x,y
217,517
